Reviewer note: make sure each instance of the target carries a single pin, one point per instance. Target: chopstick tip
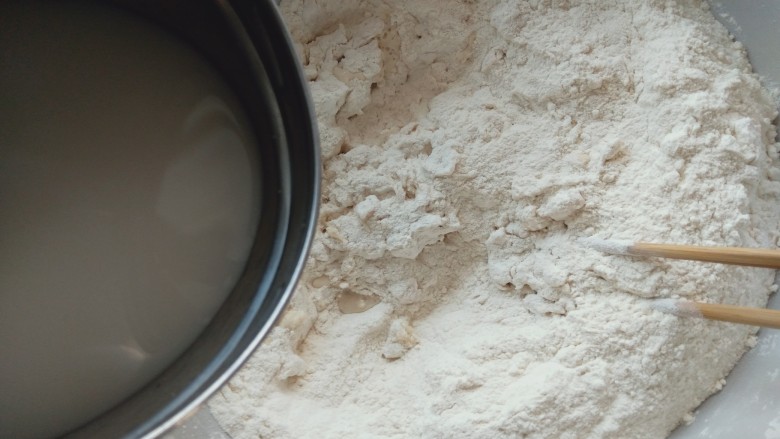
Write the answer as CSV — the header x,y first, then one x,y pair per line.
x,y
677,307
612,246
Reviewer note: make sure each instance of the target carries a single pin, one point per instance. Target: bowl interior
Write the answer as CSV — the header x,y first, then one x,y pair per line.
x,y
247,44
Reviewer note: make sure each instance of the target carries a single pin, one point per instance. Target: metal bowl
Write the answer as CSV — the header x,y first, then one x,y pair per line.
x,y
246,41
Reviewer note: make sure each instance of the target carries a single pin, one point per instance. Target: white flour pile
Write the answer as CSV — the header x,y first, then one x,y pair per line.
x,y
467,145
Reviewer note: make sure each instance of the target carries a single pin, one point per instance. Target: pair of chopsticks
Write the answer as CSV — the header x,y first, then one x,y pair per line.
x,y
725,255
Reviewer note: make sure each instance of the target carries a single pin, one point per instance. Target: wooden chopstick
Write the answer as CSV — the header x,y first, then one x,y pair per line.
x,y
768,318
753,257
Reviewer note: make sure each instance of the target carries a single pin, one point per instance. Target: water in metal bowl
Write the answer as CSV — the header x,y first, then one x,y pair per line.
x,y
159,175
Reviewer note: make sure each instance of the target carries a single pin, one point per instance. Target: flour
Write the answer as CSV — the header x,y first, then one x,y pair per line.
x,y
467,147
